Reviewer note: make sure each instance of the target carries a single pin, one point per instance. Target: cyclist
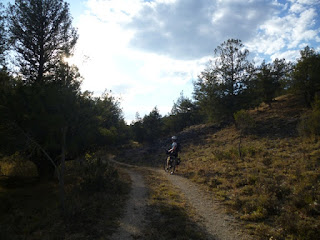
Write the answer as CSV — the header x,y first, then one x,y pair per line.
x,y
173,151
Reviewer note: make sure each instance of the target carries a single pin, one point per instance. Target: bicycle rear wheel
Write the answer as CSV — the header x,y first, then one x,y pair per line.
x,y
173,165
167,164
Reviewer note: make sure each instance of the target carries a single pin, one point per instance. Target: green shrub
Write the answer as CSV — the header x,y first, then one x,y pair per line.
x,y
98,175
244,122
296,225
309,125
16,166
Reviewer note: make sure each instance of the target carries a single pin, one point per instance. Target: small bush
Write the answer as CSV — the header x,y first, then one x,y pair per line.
x,y
256,215
16,166
309,125
97,175
244,122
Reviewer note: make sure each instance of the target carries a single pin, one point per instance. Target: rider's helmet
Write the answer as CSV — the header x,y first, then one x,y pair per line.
x,y
174,138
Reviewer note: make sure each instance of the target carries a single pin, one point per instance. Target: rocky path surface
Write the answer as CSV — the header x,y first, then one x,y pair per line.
x,y
213,218
133,222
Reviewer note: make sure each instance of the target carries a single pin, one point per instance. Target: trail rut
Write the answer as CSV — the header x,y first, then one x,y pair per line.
x,y
217,223
133,222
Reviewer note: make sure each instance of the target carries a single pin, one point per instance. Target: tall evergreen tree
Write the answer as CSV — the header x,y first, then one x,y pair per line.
x,y
209,94
44,105
306,75
270,77
184,113
233,71
221,87
41,33
137,129
152,125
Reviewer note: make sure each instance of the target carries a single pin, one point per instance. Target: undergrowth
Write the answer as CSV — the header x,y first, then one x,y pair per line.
x,y
95,193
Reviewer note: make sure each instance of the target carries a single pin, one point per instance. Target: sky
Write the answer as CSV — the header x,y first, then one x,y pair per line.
x,y
149,51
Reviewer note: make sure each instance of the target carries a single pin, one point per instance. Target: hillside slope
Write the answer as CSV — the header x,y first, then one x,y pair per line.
x,y
274,188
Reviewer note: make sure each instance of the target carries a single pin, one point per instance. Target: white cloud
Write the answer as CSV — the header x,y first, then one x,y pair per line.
x,y
147,52
142,80
297,8
191,29
119,11
290,55
308,2
281,35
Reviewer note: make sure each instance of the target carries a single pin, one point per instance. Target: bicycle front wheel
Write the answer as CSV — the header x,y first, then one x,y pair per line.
x,y
173,165
167,164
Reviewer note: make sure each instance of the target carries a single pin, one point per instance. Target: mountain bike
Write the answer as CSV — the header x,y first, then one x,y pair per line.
x,y
170,163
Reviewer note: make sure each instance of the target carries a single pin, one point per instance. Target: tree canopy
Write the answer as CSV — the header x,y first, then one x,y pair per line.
x,y
46,117
306,74
220,87
41,34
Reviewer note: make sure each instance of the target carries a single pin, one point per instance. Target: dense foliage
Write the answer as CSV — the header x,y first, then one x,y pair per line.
x,y
306,75
41,33
46,117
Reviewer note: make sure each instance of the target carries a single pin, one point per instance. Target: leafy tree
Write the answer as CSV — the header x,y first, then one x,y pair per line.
x,y
137,129
41,34
110,120
48,114
152,125
208,93
306,74
221,88
8,141
45,109
184,113
182,105
270,77
233,71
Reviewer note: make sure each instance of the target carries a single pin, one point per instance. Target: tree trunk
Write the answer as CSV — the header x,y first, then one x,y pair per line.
x,y
63,167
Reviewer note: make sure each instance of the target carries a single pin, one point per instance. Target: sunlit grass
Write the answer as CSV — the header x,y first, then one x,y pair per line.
x,y
169,215
275,187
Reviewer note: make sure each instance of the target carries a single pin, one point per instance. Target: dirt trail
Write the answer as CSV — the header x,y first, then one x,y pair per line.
x,y
133,222
217,223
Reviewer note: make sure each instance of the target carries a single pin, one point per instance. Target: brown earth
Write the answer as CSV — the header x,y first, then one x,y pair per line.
x,y
217,223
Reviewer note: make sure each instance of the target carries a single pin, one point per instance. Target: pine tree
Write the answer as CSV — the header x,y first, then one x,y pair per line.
x,y
221,87
41,34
